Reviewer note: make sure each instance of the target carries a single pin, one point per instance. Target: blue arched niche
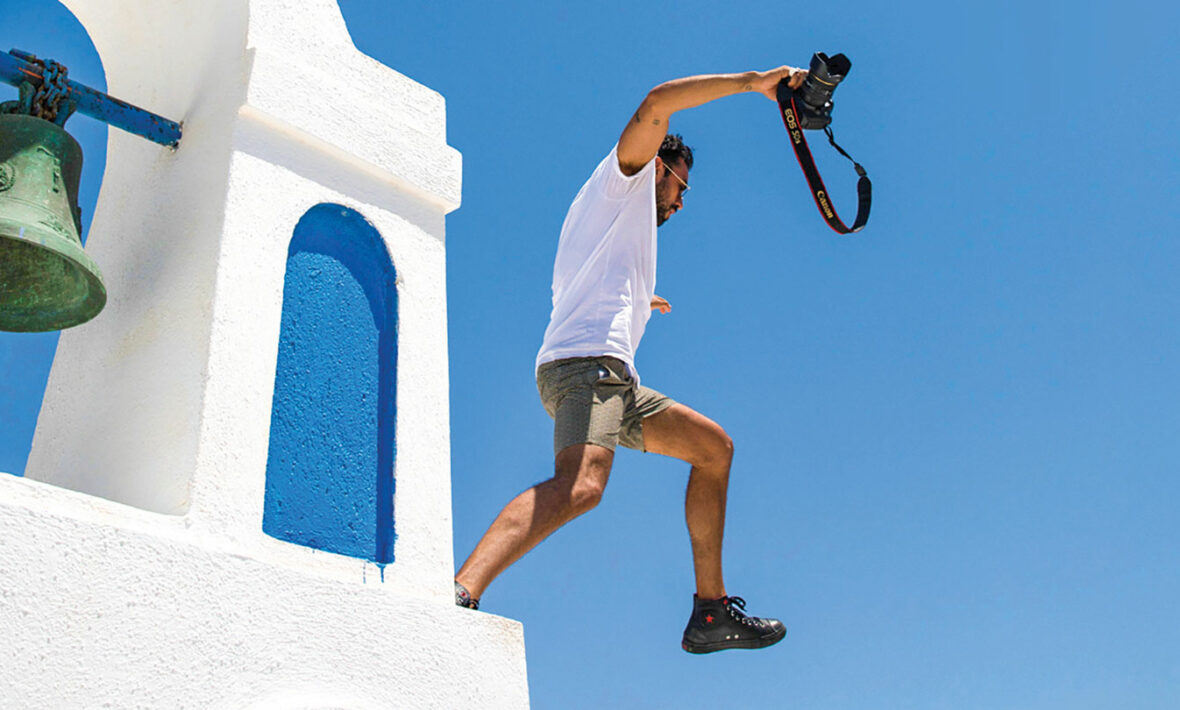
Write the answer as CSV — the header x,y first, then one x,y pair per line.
x,y
329,468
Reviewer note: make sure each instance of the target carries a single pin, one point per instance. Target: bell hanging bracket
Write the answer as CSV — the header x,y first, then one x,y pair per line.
x,y
47,281
17,68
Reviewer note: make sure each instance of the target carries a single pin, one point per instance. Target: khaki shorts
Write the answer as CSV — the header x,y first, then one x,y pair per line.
x,y
594,400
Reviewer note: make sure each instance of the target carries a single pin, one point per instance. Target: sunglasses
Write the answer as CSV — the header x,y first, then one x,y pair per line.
x,y
683,185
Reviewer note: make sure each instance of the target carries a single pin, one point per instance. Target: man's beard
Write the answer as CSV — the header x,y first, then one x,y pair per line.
x,y
663,212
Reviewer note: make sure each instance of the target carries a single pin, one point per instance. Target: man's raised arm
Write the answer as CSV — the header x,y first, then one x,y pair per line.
x,y
646,130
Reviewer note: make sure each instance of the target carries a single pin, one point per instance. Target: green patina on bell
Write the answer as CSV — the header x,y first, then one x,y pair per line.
x,y
47,282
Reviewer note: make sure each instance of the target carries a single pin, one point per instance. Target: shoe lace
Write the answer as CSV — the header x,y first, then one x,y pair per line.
x,y
464,598
736,607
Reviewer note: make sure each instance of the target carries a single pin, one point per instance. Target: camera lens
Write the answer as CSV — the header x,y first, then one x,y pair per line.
x,y
822,77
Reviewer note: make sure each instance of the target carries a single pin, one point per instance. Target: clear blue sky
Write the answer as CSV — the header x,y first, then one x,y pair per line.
x,y
956,432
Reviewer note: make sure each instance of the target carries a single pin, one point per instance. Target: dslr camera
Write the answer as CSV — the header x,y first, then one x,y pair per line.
x,y
814,99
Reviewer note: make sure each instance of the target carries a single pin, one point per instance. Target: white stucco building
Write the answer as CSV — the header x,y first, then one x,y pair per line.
x,y
196,527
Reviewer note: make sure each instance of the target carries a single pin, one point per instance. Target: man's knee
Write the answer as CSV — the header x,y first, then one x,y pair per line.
x,y
725,448
585,495
584,470
718,451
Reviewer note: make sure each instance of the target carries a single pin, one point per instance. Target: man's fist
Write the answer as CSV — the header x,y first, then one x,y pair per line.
x,y
767,82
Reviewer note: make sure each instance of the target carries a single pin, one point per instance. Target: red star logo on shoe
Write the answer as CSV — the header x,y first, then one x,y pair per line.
x,y
709,619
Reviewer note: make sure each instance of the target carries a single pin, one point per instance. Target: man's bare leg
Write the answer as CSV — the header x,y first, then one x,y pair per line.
x,y
682,433
718,621
580,475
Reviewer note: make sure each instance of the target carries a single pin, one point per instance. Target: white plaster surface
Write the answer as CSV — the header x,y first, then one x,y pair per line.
x,y
137,573
109,607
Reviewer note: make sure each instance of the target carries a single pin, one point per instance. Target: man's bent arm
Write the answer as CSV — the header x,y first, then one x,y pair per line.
x,y
646,130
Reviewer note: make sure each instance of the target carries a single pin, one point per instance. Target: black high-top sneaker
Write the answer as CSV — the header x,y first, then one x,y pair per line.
x,y
718,624
463,597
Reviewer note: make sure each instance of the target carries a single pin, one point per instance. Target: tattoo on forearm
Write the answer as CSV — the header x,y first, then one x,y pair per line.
x,y
655,122
747,87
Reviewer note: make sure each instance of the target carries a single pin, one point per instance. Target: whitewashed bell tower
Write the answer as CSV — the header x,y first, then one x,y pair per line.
x,y
238,494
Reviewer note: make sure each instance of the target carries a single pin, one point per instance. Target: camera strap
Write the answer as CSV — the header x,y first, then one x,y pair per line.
x,y
864,188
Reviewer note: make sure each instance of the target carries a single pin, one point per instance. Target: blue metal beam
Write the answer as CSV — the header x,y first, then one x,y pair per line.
x,y
15,70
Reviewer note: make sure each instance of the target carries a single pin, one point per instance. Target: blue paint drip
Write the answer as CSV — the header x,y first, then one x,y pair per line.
x,y
380,572
329,475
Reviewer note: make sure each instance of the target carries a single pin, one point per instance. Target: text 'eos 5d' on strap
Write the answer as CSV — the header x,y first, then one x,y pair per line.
x,y
864,188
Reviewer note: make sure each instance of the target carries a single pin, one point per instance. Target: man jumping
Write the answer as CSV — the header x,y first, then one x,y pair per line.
x,y
603,292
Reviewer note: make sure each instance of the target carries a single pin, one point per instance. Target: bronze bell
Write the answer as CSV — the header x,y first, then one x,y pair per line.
x,y
47,282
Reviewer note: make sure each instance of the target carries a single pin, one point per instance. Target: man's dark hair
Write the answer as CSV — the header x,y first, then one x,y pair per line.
x,y
673,148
